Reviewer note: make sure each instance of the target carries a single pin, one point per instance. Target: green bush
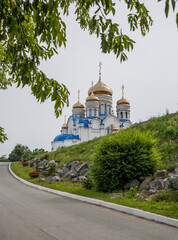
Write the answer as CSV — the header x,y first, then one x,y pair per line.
x,y
122,157
87,183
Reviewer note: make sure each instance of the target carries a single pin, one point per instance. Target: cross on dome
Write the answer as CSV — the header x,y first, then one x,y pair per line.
x,y
78,95
100,64
123,90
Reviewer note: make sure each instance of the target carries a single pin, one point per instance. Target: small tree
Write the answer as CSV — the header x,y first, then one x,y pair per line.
x,y
124,156
19,152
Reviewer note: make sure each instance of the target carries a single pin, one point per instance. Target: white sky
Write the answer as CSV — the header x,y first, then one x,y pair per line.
x,y
150,77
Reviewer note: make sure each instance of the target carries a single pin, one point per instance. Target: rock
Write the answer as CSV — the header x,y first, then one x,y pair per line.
x,y
82,169
65,172
74,164
157,184
132,183
81,178
167,183
175,183
75,179
72,173
41,180
161,174
115,195
55,179
52,163
49,179
144,184
176,169
152,192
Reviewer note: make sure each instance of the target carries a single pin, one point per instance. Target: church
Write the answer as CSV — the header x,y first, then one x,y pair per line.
x,y
94,119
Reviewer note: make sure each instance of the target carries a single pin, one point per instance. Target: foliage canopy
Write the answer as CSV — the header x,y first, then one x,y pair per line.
x,y
33,30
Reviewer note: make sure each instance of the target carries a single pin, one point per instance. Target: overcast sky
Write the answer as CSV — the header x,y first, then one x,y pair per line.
x,y
150,77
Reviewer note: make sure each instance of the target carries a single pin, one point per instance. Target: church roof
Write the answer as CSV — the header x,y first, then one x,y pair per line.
x,y
63,137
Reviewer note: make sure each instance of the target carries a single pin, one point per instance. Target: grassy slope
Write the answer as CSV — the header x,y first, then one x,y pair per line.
x,y
165,128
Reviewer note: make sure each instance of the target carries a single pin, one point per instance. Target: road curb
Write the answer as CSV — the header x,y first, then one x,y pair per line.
x,y
132,211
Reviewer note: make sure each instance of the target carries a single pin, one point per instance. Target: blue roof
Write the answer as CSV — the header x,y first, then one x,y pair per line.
x,y
63,137
86,122
124,120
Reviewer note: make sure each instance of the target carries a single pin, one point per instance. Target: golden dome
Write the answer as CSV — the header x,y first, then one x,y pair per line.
x,y
65,126
115,129
123,101
78,105
92,98
100,88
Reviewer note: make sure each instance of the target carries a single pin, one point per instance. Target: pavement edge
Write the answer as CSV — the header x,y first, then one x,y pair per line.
x,y
132,211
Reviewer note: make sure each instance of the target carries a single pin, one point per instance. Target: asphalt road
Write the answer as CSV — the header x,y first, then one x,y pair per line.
x,y
30,214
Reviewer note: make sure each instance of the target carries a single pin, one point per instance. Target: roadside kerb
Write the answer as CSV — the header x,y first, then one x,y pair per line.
x,y
132,211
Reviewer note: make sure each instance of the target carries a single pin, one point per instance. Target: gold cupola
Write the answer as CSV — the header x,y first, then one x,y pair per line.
x,y
92,98
78,105
100,88
64,126
123,101
115,129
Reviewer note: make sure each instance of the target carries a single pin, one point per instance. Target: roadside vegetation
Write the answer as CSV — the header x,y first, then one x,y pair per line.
x,y
163,204
155,141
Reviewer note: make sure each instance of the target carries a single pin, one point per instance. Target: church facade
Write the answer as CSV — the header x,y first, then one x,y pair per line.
x,y
94,119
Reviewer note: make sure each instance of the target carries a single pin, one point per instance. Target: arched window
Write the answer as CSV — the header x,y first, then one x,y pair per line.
x,y
121,114
95,111
89,112
99,109
105,108
126,114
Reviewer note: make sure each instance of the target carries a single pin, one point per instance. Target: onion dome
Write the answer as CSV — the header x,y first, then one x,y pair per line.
x,y
123,101
100,88
78,104
92,98
115,129
64,126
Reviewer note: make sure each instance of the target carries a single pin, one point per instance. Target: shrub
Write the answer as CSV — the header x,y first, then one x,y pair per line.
x,y
87,183
126,155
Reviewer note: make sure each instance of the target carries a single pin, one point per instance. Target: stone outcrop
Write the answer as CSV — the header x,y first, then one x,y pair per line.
x,y
132,183
74,170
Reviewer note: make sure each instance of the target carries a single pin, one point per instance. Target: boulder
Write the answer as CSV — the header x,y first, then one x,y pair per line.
x,y
51,179
157,184
132,183
175,183
82,169
144,184
41,180
55,179
81,178
161,174
75,179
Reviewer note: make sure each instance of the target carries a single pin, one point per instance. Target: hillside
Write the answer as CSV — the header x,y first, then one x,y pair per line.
x,y
164,128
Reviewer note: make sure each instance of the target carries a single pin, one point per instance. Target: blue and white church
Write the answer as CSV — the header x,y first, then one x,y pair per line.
x,y
94,119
